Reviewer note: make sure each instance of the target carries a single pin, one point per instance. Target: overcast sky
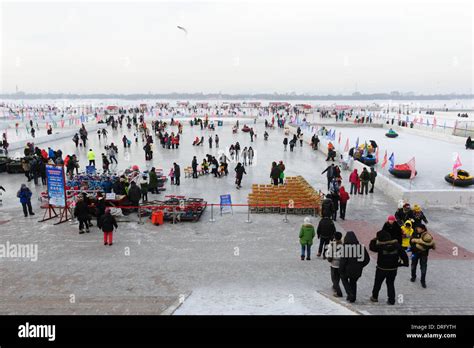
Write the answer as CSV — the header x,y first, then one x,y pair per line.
x,y
313,47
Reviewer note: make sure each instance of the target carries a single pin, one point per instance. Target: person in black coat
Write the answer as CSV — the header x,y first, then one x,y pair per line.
x,y
194,165
177,173
325,233
43,172
119,186
330,173
392,227
134,194
389,253
239,173
355,257
100,208
81,212
372,176
334,196
107,223
275,174
403,214
327,207
88,202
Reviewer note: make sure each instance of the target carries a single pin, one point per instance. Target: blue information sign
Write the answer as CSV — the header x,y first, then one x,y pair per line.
x,y
56,185
226,202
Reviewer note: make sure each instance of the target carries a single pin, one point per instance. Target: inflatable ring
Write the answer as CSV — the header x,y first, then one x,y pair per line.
x,y
401,173
368,161
246,129
391,135
463,179
471,146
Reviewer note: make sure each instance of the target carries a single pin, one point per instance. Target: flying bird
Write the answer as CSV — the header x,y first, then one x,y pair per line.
x,y
183,29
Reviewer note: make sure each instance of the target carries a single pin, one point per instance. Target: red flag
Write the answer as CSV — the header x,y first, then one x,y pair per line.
x,y
377,155
346,148
411,165
384,162
457,164
434,122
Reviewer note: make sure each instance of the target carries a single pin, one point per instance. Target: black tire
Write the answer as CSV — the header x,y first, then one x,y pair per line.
x,y
401,174
459,183
391,135
367,161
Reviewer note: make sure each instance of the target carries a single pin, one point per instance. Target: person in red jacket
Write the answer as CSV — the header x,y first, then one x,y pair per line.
x,y
355,181
343,198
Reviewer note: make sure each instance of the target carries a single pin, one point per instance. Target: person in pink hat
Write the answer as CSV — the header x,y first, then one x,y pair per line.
x,y
392,227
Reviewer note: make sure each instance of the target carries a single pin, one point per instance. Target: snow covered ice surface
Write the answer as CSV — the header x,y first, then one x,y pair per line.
x,y
434,158
196,259
259,300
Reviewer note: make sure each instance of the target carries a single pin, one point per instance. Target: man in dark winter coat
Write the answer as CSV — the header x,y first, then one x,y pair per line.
x,y
327,207
275,173
325,233
330,172
403,214
100,208
119,186
352,264
81,212
177,173
389,252
239,173
364,180
393,229
194,165
372,176
334,196
134,194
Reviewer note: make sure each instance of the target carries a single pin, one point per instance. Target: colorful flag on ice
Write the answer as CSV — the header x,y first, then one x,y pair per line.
x,y
339,141
384,162
434,122
346,148
392,160
377,155
411,165
333,137
366,150
357,143
456,166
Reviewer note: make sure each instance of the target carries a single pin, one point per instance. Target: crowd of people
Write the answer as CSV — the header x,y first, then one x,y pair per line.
x,y
403,234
